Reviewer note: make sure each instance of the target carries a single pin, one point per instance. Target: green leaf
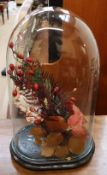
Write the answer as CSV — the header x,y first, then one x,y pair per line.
x,y
25,65
38,73
37,78
57,100
48,85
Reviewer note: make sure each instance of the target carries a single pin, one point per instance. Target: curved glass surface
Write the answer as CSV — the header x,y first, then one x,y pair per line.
x,y
53,70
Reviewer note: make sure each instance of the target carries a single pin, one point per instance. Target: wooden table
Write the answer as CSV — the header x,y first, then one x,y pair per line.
x,y
97,166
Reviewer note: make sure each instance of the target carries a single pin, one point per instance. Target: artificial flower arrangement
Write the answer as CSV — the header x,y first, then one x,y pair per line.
x,y
59,127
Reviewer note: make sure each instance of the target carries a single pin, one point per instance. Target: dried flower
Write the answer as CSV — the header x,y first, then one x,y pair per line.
x,y
31,72
79,131
56,90
77,118
76,122
20,56
14,93
56,123
29,59
36,87
11,45
20,72
12,67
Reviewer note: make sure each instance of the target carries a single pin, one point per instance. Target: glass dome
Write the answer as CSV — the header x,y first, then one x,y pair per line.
x,y
53,70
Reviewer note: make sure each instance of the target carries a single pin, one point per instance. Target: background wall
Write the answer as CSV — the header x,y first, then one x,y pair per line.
x,y
94,13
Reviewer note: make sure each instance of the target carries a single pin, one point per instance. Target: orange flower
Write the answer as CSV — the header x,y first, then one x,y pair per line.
x,y
56,123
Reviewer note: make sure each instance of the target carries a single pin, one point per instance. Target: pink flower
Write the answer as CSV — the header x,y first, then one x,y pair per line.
x,y
77,118
79,131
76,122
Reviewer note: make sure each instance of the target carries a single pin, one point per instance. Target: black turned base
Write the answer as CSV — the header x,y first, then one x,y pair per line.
x,y
76,162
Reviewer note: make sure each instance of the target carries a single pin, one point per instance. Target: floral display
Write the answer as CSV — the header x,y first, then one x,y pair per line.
x,y
59,127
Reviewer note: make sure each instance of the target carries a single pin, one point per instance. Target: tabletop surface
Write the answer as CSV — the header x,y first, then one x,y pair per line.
x,y
97,165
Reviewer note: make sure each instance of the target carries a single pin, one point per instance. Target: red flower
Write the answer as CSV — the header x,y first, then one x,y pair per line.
x,y
20,56
29,59
20,73
21,78
56,90
31,72
11,45
12,66
38,121
36,86
19,66
14,93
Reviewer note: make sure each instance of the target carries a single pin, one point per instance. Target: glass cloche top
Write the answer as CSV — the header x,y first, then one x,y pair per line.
x,y
53,66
